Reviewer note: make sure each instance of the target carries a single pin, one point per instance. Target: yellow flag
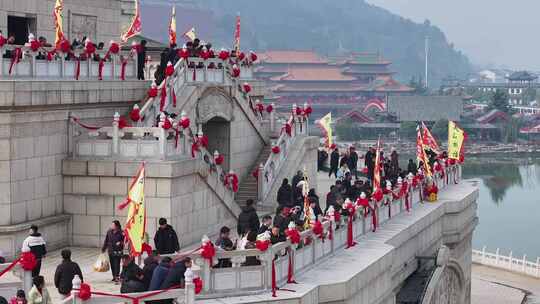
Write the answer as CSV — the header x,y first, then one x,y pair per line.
x,y
136,219
191,35
456,136
325,124
58,21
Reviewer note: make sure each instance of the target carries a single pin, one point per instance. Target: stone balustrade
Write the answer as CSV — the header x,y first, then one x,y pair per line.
x,y
245,280
507,262
32,67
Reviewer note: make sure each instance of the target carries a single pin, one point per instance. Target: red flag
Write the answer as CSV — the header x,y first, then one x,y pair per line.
x,y
377,169
136,26
421,153
429,140
237,35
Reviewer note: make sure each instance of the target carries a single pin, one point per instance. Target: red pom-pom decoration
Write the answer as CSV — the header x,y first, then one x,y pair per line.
x,y
269,108
378,195
208,251
260,107
122,122
50,56
219,159
276,150
90,48
114,48
255,173
241,56
153,92
198,285
247,88
135,114
298,111
204,54
203,140
317,228
288,129
184,122
183,53
235,71
169,70
85,292
262,245
65,47
35,45
28,261
167,124
3,41
224,55
293,235
308,110
253,56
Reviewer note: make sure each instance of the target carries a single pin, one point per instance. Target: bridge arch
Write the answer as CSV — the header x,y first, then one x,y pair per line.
x,y
447,284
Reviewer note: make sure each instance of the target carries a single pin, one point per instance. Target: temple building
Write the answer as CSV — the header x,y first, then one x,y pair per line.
x,y
331,84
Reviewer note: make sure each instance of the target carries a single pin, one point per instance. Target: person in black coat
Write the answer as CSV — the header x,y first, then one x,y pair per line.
x,y
150,264
129,268
266,224
297,178
165,239
65,272
353,162
369,162
334,162
248,220
141,60
321,158
412,167
284,194
135,284
159,75
282,218
114,245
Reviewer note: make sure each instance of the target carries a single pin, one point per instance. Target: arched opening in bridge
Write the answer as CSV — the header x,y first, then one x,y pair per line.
x,y
218,131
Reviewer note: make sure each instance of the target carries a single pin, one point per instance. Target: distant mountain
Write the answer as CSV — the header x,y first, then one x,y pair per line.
x,y
329,27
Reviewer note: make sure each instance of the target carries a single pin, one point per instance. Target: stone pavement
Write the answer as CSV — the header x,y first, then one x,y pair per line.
x,y
496,286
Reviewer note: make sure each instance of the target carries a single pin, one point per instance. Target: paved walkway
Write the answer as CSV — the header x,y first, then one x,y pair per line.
x,y
496,286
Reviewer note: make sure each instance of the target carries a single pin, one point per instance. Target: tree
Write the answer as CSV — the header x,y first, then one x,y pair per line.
x,y
499,101
440,129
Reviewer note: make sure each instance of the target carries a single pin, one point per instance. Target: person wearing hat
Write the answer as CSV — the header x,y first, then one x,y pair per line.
x,y
36,244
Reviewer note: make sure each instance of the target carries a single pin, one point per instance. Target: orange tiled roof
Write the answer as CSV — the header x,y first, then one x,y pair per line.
x,y
324,73
291,57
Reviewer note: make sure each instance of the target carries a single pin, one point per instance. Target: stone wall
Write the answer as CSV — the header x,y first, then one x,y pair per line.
x,y
34,141
98,19
174,190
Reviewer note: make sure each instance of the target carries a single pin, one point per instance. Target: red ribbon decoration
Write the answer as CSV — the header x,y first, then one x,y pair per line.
x,y
290,270
88,127
78,69
15,58
374,217
13,264
350,232
274,283
330,232
28,261
123,69
100,68
262,245
293,235
198,285
134,300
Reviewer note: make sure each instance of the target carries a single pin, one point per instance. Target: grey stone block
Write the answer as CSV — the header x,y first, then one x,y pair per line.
x,y
85,185
113,185
101,168
100,205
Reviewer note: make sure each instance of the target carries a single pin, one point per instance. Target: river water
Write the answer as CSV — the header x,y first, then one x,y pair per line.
x,y
509,203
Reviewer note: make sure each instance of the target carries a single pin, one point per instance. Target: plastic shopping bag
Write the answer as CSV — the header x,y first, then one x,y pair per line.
x,y
102,264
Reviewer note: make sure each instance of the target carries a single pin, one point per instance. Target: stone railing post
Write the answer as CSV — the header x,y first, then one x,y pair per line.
x,y
296,123
510,262
497,257
33,64
27,280
260,183
113,69
62,65
484,255
266,260
76,282
523,263
273,118
115,139
162,136
206,275
189,289
538,267
2,51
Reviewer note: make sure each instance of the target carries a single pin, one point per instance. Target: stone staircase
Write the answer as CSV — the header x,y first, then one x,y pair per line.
x,y
248,187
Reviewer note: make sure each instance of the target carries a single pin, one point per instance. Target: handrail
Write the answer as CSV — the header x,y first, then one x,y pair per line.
x,y
514,264
244,280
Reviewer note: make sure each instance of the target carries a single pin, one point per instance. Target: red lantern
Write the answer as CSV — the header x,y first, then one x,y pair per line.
x,y
293,235
169,70
262,245
35,45
223,55
135,114
269,108
114,48
247,87
85,292
219,159
28,261
253,56
184,122
198,285
65,47
241,56
3,40
183,53
276,150
153,92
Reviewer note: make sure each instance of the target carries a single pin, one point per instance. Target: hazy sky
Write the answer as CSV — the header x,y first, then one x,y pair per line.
x,y
498,32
